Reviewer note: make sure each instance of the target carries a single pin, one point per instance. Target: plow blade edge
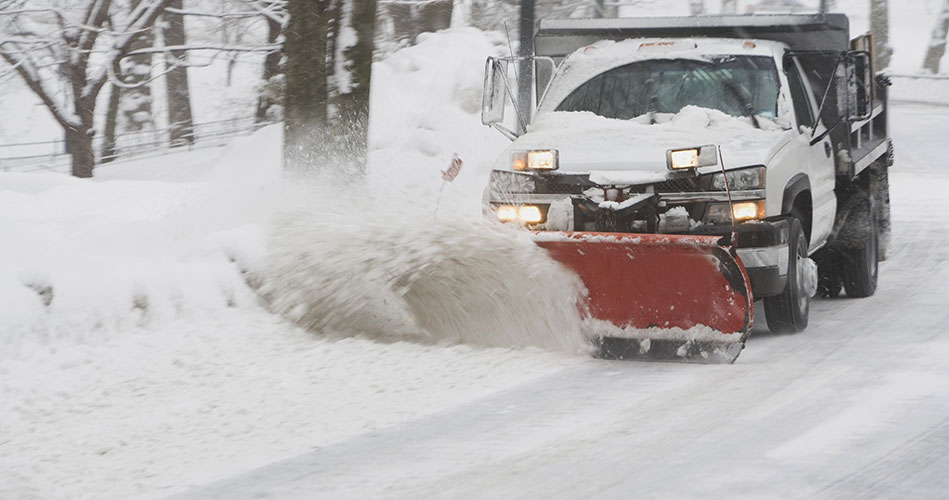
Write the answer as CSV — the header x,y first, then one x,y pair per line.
x,y
662,297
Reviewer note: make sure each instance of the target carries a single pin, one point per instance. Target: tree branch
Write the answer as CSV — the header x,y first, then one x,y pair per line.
x,y
35,83
143,17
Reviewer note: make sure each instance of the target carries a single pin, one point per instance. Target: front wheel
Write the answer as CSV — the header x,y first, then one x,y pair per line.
x,y
788,312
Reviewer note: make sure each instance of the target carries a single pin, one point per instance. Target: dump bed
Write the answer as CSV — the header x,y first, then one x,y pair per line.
x,y
557,38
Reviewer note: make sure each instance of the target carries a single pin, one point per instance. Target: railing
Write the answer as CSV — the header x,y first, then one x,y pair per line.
x,y
52,156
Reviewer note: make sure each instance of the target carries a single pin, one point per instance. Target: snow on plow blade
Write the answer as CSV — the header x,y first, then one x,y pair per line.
x,y
659,297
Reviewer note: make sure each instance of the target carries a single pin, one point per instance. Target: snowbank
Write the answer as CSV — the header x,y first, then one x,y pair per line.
x,y
426,106
138,357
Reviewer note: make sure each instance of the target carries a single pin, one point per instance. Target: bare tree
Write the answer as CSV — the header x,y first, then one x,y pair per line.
x,y
52,50
880,27
275,15
306,105
322,68
411,18
180,119
130,102
937,43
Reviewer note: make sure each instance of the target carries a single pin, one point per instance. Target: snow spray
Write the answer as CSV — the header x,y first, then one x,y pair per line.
x,y
401,276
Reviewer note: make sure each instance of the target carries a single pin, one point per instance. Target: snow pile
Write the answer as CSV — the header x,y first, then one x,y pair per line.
x,y
160,240
426,105
83,260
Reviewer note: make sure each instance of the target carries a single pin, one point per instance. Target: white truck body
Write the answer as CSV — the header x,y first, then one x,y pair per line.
x,y
803,123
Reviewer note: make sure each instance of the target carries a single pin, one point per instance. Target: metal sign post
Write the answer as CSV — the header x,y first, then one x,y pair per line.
x,y
525,70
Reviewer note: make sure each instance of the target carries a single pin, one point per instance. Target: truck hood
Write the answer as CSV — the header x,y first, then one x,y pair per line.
x,y
633,151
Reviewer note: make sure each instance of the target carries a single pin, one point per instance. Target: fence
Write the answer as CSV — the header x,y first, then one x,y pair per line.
x,y
52,156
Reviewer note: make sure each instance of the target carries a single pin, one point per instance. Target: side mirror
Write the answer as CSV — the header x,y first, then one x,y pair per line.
x,y
493,99
859,82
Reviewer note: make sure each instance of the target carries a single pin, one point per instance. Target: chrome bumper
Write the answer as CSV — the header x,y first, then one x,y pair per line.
x,y
768,257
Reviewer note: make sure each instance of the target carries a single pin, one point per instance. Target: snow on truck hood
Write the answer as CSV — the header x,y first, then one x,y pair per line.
x,y
633,151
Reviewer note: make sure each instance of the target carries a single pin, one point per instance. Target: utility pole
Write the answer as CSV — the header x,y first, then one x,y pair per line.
x,y
525,70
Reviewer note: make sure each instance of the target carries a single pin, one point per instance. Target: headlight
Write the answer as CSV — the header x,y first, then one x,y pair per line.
x,y
740,180
545,159
507,213
527,214
680,159
718,213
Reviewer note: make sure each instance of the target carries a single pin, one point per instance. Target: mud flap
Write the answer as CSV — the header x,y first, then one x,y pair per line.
x,y
659,297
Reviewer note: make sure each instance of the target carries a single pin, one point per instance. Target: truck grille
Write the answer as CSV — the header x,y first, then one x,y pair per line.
x,y
683,185
578,184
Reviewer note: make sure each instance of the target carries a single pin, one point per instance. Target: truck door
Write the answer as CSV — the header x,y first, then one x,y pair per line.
x,y
816,151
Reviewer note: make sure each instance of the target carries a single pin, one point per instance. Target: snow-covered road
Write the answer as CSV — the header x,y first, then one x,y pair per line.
x,y
138,363
855,407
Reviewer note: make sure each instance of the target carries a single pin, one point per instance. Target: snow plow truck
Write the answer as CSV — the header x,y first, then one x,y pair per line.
x,y
685,168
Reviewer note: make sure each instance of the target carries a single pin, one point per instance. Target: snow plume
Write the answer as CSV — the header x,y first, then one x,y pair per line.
x,y
402,276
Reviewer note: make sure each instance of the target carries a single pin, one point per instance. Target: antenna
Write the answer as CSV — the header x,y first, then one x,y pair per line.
x,y
731,204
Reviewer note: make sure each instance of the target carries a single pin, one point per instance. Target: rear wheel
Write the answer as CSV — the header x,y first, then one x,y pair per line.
x,y
788,312
828,274
860,264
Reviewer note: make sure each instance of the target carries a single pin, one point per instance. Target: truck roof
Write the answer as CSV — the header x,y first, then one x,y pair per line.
x,y
557,38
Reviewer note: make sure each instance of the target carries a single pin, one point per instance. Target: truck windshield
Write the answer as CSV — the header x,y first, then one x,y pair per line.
x,y
738,86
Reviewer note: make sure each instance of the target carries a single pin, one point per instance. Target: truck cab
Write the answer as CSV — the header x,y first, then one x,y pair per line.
x,y
748,127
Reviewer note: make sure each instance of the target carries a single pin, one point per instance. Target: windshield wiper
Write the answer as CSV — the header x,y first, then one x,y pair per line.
x,y
652,99
745,103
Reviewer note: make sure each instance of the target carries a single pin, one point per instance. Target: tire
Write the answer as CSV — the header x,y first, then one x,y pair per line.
x,y
880,190
828,277
860,265
788,312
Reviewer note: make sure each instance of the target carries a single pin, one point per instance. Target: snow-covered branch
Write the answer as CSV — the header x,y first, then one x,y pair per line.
x,y
218,48
28,72
141,18
221,15
275,10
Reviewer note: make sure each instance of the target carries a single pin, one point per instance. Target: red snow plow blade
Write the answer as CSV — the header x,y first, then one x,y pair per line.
x,y
658,296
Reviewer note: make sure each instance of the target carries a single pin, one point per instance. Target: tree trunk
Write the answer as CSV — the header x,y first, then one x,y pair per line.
x,y
135,105
351,122
109,151
271,69
305,98
434,16
79,139
937,44
729,6
880,27
180,120
403,23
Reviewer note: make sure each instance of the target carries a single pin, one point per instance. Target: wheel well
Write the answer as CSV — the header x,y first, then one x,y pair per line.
x,y
803,206
797,201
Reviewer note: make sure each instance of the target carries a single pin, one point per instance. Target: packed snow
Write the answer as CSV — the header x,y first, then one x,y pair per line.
x,y
588,142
